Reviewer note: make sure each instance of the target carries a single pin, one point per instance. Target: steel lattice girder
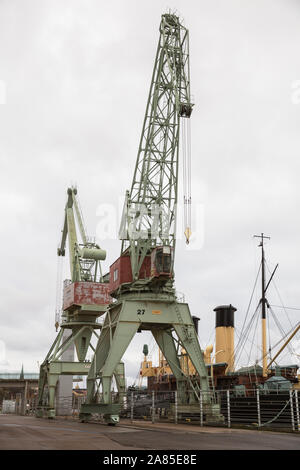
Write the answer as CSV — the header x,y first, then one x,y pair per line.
x,y
151,203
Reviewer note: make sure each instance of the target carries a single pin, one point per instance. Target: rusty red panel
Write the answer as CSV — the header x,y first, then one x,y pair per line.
x,y
86,293
145,270
120,271
68,296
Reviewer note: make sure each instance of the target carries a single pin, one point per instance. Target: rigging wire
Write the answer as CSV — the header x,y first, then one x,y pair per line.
x,y
59,291
281,306
281,330
283,338
269,333
251,297
245,334
241,341
189,172
247,339
186,152
254,331
184,168
211,334
276,321
279,296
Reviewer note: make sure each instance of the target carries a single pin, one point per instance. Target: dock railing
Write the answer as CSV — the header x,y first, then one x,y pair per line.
x,y
255,408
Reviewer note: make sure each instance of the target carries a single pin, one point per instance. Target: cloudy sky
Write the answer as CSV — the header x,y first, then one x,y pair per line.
x,y
74,79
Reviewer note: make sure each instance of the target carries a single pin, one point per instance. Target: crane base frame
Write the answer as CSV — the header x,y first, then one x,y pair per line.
x,y
53,367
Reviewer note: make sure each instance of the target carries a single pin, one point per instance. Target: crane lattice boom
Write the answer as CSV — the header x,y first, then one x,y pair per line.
x,y
150,212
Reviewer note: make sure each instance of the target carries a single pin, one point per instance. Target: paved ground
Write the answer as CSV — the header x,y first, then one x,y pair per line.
x,y
29,433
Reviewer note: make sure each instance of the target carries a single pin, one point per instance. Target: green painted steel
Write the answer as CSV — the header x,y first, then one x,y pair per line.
x,y
150,206
149,222
84,258
93,254
172,327
79,320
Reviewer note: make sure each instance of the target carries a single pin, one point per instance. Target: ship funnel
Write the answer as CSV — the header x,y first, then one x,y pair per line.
x,y
225,335
196,321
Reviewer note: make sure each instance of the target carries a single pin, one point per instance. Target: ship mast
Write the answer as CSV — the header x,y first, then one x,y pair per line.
x,y
263,304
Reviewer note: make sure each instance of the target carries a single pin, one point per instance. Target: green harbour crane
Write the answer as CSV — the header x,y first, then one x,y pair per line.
x,y
142,278
85,299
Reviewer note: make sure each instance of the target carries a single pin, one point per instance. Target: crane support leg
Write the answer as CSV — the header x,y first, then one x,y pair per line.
x,y
52,382
113,342
167,346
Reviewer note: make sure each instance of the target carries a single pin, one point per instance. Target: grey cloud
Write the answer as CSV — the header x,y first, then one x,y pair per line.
x,y
77,76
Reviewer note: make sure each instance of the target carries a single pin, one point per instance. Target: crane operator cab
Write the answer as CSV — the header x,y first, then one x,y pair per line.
x,y
162,262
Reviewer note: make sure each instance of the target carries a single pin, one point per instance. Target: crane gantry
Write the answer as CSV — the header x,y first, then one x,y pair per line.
x,y
85,299
142,278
